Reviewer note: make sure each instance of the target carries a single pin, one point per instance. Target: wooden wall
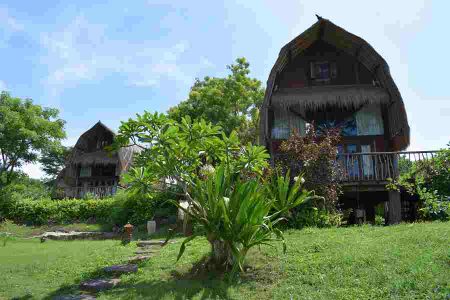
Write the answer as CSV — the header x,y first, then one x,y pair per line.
x,y
349,70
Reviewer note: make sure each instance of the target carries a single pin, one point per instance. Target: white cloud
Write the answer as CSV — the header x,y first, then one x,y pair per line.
x,y
84,51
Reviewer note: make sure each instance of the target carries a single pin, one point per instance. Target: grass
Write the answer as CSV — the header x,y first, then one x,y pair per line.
x,y
408,261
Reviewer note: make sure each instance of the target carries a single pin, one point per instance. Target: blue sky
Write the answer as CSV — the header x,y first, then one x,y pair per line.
x,y
107,61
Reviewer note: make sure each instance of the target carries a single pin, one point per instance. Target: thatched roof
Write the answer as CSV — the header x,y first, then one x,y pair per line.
x,y
86,151
355,46
316,97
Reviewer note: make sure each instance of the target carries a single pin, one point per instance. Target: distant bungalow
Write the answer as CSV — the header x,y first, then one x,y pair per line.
x,y
91,169
335,78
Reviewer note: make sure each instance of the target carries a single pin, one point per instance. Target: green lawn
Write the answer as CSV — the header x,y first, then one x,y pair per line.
x,y
410,261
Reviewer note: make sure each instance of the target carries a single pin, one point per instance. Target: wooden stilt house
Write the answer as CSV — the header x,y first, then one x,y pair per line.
x,y
90,168
335,78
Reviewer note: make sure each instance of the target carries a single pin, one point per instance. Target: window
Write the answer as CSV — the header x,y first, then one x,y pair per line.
x,y
323,70
285,122
348,126
85,171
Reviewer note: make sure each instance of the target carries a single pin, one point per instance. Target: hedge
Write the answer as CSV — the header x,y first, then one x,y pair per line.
x,y
118,210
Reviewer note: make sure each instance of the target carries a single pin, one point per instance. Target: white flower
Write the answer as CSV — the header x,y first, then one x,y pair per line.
x,y
302,180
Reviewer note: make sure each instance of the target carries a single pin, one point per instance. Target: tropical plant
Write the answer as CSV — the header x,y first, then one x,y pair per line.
x,y
237,214
176,153
220,179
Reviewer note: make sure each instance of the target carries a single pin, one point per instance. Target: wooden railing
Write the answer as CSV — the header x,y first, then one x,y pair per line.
x,y
377,166
97,191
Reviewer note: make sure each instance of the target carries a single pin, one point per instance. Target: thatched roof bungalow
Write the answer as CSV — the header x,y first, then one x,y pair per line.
x,y
358,77
334,78
90,168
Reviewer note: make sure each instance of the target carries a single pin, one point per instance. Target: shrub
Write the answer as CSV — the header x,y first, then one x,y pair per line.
x,y
316,155
308,215
117,210
430,181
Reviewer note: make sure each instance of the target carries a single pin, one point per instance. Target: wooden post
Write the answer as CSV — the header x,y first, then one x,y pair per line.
x,y
394,208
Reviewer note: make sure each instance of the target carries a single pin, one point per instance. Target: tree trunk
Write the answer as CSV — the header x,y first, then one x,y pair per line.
x,y
221,256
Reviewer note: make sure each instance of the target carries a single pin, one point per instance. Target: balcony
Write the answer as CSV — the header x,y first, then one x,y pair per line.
x,y
376,167
97,191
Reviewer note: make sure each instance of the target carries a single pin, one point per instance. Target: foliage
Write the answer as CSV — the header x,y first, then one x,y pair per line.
x,y
25,129
26,187
430,181
308,215
53,159
232,102
117,210
237,214
316,155
220,179
174,153
379,220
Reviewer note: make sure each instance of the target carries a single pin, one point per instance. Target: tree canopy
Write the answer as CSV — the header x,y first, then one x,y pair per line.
x,y
231,102
53,159
26,129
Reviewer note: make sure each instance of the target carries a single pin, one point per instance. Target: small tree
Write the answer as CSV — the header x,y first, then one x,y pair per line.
x,y
220,179
25,130
315,154
231,102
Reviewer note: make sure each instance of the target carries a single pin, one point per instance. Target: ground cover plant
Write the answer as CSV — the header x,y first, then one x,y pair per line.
x,y
407,261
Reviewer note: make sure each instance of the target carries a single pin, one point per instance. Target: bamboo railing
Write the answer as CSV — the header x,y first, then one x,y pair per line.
x,y
377,166
96,191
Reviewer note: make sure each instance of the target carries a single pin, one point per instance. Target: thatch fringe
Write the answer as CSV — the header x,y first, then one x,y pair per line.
x,y
315,98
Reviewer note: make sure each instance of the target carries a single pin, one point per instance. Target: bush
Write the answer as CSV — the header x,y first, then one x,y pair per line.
x,y
314,156
308,215
430,181
117,210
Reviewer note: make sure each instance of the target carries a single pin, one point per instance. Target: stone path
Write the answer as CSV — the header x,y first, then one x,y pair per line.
x,y
146,250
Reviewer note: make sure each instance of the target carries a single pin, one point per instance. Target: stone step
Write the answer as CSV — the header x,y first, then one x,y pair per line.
x,y
145,252
74,297
139,258
97,285
149,243
121,269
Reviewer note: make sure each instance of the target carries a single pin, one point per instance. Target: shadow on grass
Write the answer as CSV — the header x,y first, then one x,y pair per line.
x,y
73,289
198,281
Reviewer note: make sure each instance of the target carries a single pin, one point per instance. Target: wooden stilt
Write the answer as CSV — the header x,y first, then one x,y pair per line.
x,y
394,208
